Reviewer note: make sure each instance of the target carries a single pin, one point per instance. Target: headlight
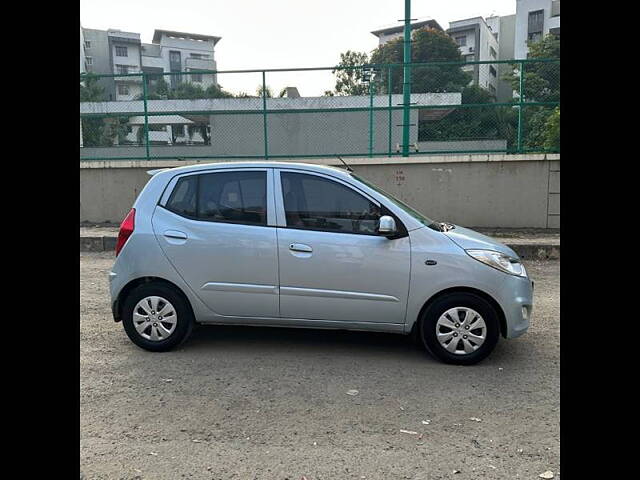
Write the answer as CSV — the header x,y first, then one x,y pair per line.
x,y
499,261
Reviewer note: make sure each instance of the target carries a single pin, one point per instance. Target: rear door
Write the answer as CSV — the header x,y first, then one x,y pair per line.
x,y
217,228
333,264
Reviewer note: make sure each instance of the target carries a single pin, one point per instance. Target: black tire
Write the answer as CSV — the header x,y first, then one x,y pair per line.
x,y
429,319
184,322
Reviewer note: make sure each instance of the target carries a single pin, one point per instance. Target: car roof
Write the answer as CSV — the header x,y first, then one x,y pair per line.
x,y
263,164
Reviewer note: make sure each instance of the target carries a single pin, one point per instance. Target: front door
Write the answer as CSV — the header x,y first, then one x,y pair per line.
x,y
218,230
333,264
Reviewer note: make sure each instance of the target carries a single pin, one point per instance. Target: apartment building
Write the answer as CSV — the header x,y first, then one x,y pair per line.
x,y
117,52
503,29
83,60
533,20
397,31
477,42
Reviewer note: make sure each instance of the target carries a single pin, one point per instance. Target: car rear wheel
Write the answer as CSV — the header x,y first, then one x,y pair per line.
x,y
156,317
460,328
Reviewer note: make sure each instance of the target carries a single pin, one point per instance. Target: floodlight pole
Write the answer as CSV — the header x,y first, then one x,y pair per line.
x,y
406,86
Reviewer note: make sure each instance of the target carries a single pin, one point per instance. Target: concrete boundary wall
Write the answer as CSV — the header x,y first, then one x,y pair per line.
x,y
503,191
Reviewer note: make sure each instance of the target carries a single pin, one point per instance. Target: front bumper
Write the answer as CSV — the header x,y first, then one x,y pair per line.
x,y
517,305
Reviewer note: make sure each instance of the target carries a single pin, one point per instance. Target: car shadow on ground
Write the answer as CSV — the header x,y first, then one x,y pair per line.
x,y
302,342
268,338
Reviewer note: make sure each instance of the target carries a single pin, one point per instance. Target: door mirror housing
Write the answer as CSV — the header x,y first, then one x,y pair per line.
x,y
387,226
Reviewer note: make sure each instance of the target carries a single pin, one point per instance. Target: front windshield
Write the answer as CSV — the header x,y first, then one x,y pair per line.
x,y
399,203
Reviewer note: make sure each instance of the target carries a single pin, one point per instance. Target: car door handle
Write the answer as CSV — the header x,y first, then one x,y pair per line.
x,y
300,247
175,234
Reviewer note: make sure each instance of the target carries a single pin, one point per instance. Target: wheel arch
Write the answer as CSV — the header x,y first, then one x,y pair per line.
x,y
129,287
485,296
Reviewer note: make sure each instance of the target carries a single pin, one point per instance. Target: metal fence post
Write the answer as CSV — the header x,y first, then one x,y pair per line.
x,y
520,103
370,115
389,77
264,113
406,86
146,116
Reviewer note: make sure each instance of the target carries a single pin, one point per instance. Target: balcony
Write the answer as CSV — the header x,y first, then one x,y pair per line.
x,y
200,63
121,37
153,62
132,76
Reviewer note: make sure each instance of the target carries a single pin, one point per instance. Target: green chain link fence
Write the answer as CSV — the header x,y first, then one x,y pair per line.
x,y
494,106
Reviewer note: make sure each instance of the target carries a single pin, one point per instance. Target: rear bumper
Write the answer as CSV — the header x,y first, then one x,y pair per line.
x,y
115,307
115,311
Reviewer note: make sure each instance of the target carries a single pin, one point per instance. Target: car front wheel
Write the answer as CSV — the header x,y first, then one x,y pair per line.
x,y
460,328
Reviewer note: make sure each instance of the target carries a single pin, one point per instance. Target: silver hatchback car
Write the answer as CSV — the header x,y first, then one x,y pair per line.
x,y
298,245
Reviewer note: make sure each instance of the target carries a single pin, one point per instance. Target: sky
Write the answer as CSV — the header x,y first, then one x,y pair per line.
x,y
279,33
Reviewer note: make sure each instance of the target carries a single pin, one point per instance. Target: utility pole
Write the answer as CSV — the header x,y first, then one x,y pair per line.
x,y
406,86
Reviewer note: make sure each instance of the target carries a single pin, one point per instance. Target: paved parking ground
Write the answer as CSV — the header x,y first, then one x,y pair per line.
x,y
259,403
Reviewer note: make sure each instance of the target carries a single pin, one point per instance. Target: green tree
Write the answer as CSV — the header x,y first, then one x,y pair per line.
x,y
541,80
156,90
267,91
541,124
484,122
96,131
90,89
160,90
429,45
552,131
350,80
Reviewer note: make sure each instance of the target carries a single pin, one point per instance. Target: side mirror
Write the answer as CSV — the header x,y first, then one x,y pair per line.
x,y
387,226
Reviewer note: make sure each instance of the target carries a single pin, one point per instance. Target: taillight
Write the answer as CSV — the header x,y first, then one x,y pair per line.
x,y
126,229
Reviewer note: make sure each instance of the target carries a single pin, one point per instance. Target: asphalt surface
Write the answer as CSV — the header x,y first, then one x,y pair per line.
x,y
260,403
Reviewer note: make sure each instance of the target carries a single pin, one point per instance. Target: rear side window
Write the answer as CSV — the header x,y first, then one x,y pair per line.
x,y
233,197
183,198
229,197
316,203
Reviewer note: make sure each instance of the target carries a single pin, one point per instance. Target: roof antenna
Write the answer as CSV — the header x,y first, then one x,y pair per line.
x,y
345,163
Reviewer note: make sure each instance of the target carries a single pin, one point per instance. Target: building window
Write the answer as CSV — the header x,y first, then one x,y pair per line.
x,y
89,60
492,89
461,41
121,52
492,52
198,55
175,64
123,90
122,69
536,25
492,71
196,77
87,44
534,37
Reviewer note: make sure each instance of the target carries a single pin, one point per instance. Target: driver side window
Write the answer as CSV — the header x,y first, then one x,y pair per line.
x,y
316,203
